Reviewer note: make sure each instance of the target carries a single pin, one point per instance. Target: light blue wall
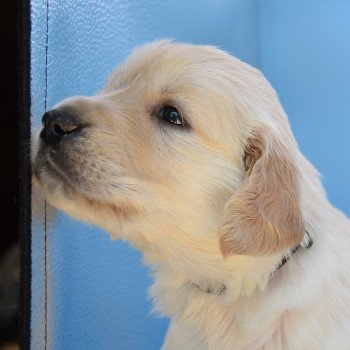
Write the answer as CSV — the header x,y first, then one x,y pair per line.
x,y
304,50
91,292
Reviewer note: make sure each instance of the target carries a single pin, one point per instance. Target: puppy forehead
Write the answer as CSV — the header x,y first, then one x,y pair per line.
x,y
166,66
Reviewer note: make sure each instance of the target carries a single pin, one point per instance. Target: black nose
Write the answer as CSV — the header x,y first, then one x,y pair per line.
x,y
58,124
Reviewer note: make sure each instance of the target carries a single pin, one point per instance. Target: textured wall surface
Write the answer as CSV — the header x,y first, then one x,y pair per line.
x,y
90,292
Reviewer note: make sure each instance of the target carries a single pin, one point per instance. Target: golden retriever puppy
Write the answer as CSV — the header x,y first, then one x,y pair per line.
x,y
188,155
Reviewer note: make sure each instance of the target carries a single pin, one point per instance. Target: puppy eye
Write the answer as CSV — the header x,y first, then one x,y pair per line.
x,y
171,115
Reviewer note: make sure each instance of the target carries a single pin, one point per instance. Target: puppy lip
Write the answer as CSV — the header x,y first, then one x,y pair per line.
x,y
48,160
52,170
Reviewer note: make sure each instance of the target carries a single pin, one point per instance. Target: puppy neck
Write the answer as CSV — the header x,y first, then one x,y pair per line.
x,y
209,272
217,288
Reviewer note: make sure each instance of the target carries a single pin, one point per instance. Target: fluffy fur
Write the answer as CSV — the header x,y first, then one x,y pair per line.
x,y
217,203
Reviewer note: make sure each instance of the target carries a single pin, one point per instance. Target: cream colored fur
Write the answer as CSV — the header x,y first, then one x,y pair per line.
x,y
216,204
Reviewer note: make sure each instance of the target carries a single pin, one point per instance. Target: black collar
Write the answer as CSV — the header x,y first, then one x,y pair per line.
x,y
306,243
217,290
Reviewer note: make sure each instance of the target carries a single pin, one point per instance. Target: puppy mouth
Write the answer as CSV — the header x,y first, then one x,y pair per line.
x,y
55,171
54,180
46,172
61,172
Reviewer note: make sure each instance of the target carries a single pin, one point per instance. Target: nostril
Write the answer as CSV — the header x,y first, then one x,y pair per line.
x,y
57,129
62,129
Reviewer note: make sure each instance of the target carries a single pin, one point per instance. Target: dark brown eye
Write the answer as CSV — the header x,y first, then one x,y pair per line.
x,y
171,115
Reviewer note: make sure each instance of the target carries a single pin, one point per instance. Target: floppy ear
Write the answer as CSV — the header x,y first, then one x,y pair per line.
x,y
263,216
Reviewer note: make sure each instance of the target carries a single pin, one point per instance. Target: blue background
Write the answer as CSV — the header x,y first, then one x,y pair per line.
x,y
305,53
90,292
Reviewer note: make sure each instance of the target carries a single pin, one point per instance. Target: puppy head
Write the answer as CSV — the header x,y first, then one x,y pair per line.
x,y
166,144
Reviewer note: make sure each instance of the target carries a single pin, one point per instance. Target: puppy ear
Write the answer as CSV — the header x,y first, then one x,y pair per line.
x,y
263,216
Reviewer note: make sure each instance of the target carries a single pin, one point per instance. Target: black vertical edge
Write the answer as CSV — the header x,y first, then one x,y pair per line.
x,y
24,132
